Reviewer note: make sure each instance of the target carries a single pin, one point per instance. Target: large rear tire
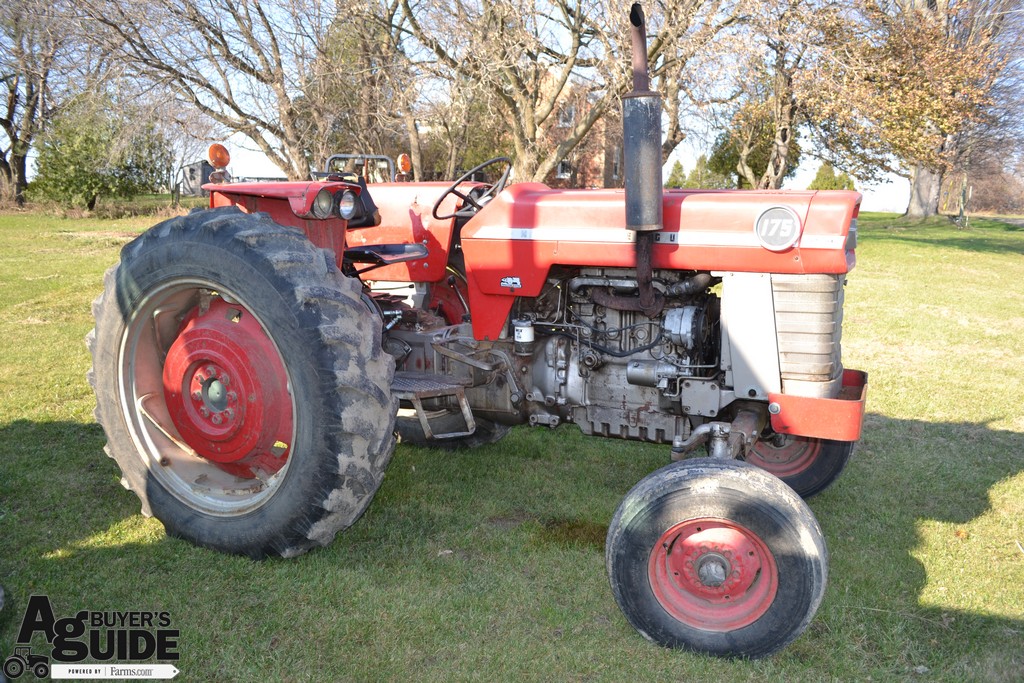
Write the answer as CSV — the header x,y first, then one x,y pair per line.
x,y
241,384
717,557
13,667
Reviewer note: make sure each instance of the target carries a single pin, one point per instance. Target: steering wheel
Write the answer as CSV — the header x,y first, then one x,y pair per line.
x,y
473,201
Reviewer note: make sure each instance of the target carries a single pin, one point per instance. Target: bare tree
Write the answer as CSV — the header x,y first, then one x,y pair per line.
x,y
239,62
361,88
987,152
769,61
532,56
459,128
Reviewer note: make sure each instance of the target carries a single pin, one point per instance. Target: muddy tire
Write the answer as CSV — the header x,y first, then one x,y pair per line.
x,y
716,557
240,381
410,431
808,466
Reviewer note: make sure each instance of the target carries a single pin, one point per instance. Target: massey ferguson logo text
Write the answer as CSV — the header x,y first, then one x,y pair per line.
x,y
95,638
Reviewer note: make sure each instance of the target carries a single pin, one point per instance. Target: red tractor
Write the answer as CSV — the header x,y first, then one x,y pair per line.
x,y
251,380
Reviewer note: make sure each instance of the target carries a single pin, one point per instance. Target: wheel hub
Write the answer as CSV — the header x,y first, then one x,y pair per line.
x,y
227,390
712,569
713,574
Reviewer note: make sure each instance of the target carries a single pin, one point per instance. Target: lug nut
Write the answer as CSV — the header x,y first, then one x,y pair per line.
x,y
204,412
216,418
211,371
229,414
225,378
197,395
232,396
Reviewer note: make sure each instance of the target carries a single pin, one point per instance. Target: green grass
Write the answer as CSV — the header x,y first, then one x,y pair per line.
x,y
489,565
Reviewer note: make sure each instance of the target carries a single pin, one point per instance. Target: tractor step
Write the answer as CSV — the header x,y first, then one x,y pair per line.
x,y
415,386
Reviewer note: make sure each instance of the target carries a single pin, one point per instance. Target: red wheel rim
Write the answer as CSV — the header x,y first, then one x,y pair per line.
x,y
789,459
713,574
227,390
206,395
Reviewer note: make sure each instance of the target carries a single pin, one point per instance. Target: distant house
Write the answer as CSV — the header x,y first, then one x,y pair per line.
x,y
193,177
597,160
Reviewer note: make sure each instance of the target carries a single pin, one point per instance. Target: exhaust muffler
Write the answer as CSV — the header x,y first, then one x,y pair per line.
x,y
641,137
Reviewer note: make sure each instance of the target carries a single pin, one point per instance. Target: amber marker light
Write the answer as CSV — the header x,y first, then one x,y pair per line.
x,y
404,163
218,155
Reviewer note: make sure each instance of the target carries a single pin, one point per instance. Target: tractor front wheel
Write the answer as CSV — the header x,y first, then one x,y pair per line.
x,y
717,557
807,465
241,384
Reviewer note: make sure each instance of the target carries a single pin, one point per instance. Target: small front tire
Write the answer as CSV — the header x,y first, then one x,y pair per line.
x,y
716,557
807,465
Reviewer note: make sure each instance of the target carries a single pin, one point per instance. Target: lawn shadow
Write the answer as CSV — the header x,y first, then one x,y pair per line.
x,y
58,491
905,476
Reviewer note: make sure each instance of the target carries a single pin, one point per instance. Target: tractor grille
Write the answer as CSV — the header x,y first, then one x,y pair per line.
x,y
809,325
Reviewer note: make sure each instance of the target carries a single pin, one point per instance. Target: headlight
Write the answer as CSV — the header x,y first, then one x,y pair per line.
x,y
323,205
347,204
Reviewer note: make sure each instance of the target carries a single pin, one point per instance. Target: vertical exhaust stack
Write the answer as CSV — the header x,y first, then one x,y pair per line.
x,y
641,151
641,137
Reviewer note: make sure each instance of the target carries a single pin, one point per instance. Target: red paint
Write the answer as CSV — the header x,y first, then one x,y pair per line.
x,y
405,218
749,582
446,302
712,229
824,418
287,203
511,245
237,430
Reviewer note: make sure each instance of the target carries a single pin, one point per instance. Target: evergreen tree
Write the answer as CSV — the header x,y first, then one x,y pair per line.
x,y
750,149
677,177
702,177
845,182
826,179
89,152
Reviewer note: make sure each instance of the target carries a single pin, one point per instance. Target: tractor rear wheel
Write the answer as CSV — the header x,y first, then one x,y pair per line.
x,y
807,465
241,384
13,667
716,556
